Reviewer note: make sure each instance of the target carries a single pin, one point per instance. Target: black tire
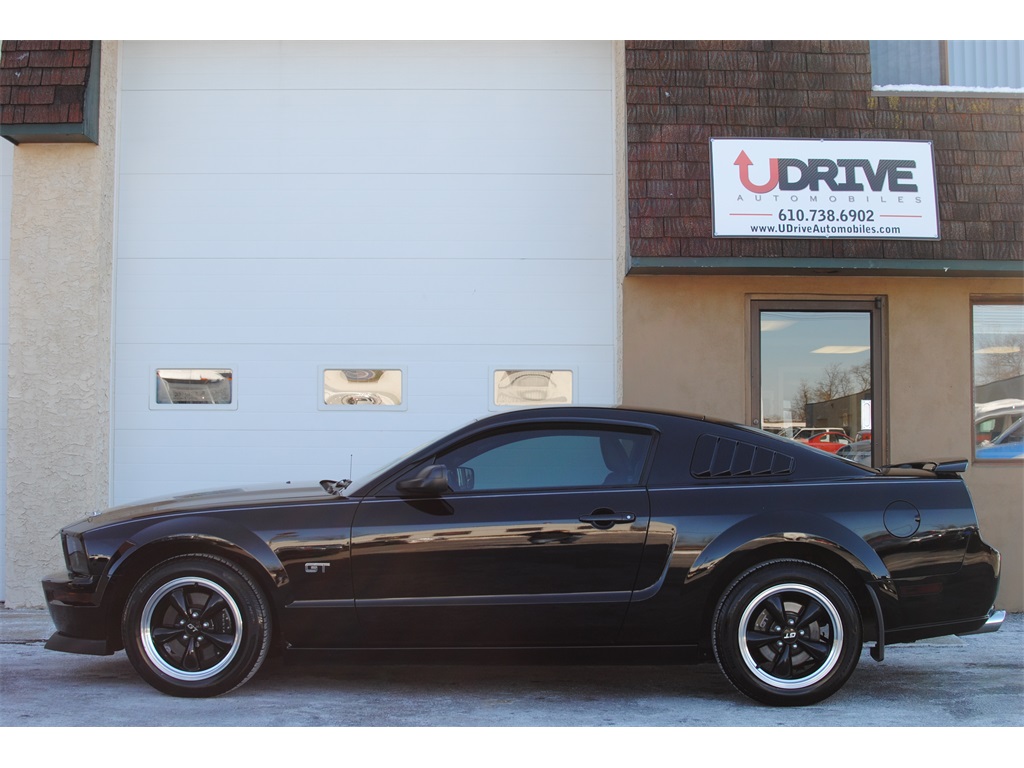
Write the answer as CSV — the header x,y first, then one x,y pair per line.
x,y
196,626
787,633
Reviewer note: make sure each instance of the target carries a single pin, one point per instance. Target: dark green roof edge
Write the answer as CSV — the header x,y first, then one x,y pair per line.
x,y
716,265
47,133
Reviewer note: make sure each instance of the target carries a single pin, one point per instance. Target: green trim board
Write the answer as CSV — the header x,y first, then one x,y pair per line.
x,y
657,265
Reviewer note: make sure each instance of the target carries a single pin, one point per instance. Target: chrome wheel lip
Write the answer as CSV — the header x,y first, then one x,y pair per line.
x,y
149,645
826,666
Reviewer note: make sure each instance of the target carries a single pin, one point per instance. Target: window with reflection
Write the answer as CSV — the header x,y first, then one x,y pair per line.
x,y
998,331
550,458
815,368
524,387
362,387
194,386
956,63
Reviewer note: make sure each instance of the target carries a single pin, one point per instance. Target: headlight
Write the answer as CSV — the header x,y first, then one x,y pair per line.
x,y
75,555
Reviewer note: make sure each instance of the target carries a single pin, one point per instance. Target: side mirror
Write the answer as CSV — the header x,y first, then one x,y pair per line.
x,y
431,480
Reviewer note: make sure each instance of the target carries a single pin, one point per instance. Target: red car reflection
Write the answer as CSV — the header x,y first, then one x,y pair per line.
x,y
829,441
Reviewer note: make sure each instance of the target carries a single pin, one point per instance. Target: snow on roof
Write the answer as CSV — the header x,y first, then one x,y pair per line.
x,y
948,89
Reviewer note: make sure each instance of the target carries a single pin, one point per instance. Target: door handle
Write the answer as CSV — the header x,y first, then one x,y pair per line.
x,y
606,518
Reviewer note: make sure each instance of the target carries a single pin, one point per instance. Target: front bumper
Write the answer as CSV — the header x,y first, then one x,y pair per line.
x,y
78,613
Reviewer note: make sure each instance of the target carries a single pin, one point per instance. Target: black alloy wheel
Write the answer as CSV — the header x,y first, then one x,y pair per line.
x,y
196,626
787,633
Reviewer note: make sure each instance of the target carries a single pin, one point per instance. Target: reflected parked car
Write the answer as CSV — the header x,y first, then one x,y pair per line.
x,y
806,433
564,527
1008,445
830,441
994,418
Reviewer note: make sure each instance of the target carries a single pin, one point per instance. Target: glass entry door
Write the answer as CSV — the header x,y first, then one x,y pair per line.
x,y
814,375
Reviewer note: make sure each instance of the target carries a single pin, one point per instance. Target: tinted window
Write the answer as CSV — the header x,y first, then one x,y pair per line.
x,y
552,458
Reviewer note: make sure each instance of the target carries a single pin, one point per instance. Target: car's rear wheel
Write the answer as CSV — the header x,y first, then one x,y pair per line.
x,y
196,626
787,633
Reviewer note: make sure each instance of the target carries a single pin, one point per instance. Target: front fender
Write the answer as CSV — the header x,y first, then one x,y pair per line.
x,y
207,533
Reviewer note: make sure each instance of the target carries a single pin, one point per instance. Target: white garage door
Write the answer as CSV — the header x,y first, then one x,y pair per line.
x,y
328,253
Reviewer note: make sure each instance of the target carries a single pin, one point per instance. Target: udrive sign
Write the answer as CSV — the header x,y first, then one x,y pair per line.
x,y
824,189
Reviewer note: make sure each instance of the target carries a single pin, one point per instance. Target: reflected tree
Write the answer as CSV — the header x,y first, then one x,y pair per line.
x,y
1001,359
836,381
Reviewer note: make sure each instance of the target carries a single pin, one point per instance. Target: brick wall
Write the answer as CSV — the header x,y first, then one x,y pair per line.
x,y
681,93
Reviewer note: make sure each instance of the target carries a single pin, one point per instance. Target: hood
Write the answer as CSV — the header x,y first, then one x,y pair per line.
x,y
251,496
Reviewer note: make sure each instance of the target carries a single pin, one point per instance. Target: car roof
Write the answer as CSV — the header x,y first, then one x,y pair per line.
x,y
998,407
610,413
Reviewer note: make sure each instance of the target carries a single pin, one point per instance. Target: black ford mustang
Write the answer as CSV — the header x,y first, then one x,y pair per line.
x,y
552,528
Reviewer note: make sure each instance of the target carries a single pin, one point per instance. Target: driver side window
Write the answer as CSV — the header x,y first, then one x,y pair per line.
x,y
548,458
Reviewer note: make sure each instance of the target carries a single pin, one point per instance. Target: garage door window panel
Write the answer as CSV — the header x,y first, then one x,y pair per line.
x,y
362,388
193,388
528,387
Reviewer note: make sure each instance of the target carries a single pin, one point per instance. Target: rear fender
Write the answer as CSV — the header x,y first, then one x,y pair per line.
x,y
793,535
791,528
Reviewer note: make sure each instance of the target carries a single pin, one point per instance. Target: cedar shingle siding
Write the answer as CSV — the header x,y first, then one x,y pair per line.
x,y
44,90
681,93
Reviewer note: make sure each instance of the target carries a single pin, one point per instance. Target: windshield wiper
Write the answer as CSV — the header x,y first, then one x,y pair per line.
x,y
335,487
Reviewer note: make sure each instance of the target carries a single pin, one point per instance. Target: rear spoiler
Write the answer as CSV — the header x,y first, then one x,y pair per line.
x,y
937,467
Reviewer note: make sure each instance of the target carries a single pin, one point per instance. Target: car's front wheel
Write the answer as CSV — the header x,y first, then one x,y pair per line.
x,y
787,633
196,626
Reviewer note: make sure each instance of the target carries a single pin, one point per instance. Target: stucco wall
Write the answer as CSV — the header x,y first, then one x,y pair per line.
x,y
6,159
60,322
686,347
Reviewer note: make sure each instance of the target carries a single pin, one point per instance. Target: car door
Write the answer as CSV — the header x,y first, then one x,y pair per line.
x,y
535,538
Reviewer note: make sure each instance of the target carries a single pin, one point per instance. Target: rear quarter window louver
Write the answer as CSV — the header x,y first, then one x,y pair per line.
x,y
723,457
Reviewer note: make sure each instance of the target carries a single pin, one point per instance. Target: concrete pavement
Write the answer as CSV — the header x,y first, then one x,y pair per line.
x,y
971,681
